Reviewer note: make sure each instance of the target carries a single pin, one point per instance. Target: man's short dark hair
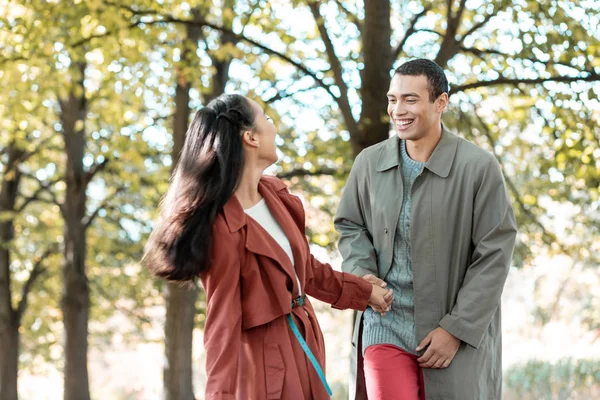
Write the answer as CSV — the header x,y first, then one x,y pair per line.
x,y
438,83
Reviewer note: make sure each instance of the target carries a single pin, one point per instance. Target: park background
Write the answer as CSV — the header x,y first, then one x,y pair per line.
x,y
96,98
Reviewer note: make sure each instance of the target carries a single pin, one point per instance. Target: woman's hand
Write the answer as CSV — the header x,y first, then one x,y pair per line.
x,y
381,298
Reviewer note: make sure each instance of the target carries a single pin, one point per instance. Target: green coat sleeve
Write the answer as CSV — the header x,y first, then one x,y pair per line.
x,y
356,243
493,237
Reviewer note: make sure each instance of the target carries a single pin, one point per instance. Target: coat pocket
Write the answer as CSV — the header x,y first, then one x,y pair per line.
x,y
274,371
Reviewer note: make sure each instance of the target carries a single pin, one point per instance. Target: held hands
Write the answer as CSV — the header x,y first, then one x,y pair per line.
x,y
381,298
441,351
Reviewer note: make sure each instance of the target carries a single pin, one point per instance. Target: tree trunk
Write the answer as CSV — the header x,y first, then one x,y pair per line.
x,y
76,293
9,327
9,318
180,301
9,359
373,126
450,46
336,67
75,306
179,330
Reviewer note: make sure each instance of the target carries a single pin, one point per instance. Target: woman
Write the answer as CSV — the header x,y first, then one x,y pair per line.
x,y
242,233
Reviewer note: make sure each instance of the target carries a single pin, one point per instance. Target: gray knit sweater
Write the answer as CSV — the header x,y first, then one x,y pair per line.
x,y
398,326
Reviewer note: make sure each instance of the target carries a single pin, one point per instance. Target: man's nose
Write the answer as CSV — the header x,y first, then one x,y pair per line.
x,y
398,109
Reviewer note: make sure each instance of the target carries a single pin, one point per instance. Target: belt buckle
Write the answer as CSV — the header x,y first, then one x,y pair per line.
x,y
298,301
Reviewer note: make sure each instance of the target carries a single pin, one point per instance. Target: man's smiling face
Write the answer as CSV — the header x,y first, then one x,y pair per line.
x,y
410,107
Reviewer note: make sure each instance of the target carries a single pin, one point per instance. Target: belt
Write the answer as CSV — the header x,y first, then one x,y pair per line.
x,y
298,302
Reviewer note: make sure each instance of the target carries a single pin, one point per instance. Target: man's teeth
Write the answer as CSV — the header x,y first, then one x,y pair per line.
x,y
403,123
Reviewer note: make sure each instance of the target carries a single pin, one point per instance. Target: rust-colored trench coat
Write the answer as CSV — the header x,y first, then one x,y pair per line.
x,y
251,353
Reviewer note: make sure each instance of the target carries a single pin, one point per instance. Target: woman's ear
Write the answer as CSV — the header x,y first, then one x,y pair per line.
x,y
250,138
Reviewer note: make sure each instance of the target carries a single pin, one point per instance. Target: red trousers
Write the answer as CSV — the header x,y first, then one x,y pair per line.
x,y
392,374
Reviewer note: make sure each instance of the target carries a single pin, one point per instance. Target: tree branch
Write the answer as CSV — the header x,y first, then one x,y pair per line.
x,y
351,16
4,61
480,53
592,77
87,221
240,37
252,42
450,44
282,94
27,154
430,31
336,67
131,9
561,289
248,16
550,236
88,39
306,172
34,197
165,18
410,31
334,61
94,170
131,313
33,276
461,9
449,7
481,24
45,186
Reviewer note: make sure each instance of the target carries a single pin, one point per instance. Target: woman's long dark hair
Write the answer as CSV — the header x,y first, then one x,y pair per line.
x,y
209,169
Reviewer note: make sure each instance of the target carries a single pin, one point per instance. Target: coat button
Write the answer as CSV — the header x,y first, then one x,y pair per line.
x,y
385,230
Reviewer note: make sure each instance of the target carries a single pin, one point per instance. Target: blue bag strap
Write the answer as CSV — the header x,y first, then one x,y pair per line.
x,y
309,353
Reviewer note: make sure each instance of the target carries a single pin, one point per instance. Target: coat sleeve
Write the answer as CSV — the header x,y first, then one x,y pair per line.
x,y
223,327
340,289
493,238
355,243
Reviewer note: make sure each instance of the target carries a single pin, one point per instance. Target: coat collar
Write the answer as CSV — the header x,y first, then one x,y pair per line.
x,y
258,241
439,163
235,216
443,155
390,154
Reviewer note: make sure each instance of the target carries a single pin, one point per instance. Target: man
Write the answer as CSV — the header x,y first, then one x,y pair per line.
x,y
428,213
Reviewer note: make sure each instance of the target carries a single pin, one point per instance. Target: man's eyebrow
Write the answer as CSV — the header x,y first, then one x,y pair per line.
x,y
404,95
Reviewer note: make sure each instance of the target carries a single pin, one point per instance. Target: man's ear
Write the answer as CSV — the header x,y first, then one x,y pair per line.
x,y
249,138
441,102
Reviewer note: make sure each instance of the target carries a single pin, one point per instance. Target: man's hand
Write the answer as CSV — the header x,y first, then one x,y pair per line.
x,y
441,351
381,299
374,280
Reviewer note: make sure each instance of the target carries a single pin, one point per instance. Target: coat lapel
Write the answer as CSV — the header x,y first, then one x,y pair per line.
x,y
389,184
261,243
282,207
440,162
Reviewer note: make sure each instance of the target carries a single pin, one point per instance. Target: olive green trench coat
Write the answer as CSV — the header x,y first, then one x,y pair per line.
x,y
463,233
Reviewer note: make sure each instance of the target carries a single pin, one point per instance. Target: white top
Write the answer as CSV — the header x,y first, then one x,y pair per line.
x,y
261,214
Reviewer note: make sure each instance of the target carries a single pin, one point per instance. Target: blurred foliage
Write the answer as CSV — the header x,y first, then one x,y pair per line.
x,y
524,85
566,379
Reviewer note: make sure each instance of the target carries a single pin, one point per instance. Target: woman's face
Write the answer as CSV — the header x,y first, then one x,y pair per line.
x,y
264,133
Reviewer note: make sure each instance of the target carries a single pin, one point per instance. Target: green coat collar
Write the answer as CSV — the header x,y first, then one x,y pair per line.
x,y
439,163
